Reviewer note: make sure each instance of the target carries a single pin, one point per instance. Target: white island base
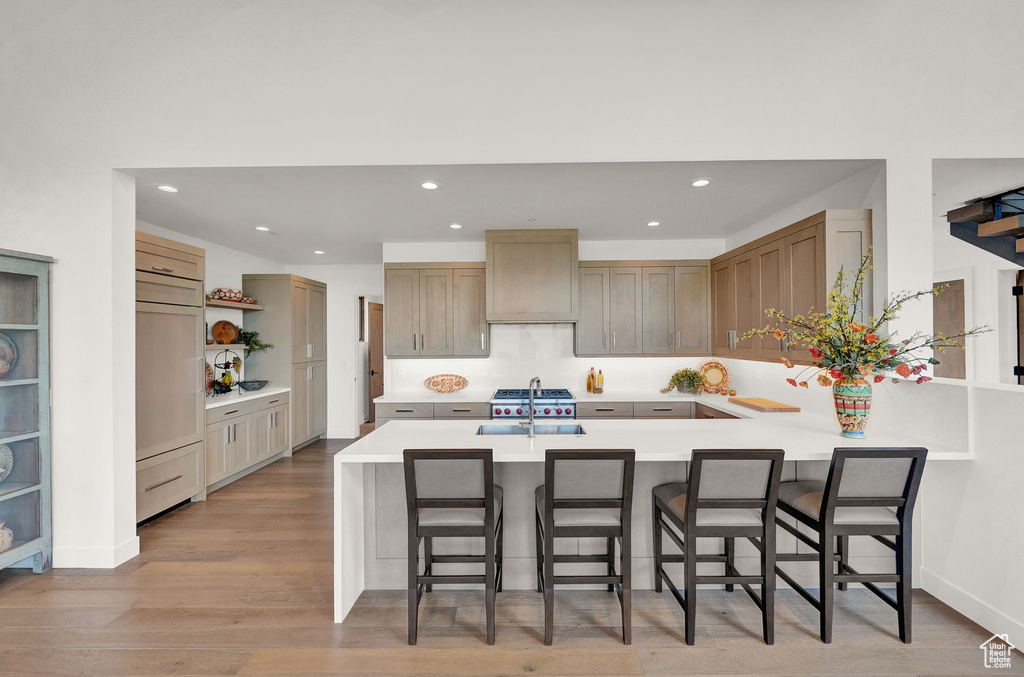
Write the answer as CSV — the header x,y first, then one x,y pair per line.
x,y
369,498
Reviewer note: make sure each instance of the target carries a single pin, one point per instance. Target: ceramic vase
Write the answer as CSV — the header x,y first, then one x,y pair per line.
x,y
853,405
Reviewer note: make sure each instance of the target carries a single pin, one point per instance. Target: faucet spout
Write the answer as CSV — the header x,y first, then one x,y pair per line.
x,y
533,392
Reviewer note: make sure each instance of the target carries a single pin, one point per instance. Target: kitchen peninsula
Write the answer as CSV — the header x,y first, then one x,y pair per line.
x,y
369,506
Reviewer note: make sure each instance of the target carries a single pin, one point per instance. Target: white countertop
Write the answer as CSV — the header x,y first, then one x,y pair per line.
x,y
803,436
424,395
241,396
651,395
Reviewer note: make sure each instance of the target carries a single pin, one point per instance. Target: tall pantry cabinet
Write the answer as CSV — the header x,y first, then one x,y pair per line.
x,y
170,389
294,320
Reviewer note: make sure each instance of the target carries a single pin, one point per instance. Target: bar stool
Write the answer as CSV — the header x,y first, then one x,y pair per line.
x,y
452,493
868,492
728,493
587,493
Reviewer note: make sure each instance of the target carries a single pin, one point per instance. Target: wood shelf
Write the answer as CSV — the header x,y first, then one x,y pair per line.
x,y
234,305
23,327
225,346
15,489
8,437
19,382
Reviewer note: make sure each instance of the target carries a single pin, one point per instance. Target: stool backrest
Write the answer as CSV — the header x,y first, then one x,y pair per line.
x,y
734,478
589,478
874,477
449,478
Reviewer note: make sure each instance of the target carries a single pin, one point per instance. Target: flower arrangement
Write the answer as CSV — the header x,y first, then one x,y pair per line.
x,y
848,350
685,380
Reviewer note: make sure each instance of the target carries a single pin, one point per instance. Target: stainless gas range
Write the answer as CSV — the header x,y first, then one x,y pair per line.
x,y
551,403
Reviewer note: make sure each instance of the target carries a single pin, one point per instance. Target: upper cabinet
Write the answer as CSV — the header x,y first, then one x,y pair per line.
x,y
630,309
789,270
532,275
309,326
435,311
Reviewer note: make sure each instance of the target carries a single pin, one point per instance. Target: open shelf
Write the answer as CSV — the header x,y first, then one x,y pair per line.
x,y
9,437
225,346
236,305
20,514
14,489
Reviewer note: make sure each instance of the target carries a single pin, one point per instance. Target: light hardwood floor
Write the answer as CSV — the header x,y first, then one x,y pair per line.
x,y
241,584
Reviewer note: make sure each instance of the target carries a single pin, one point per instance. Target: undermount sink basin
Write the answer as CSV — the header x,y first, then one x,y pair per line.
x,y
558,429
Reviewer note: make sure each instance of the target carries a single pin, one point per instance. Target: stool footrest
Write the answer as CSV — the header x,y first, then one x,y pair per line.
x,y
565,559
583,580
441,580
457,559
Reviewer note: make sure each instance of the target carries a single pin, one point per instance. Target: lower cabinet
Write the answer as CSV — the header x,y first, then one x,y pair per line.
x,y
249,435
168,479
309,401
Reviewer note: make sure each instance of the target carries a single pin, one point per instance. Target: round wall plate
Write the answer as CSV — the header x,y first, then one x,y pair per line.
x,y
716,377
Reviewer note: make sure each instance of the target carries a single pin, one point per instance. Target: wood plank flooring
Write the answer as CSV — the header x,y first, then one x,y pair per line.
x,y
241,585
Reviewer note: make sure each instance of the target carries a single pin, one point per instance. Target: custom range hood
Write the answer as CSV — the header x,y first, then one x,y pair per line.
x,y
532,276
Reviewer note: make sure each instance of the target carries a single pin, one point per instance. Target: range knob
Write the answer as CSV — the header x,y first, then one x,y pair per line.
x,y
535,412
519,411
568,412
558,411
497,412
507,412
547,411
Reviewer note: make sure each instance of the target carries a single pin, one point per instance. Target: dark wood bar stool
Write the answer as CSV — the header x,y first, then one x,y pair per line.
x,y
728,494
868,492
587,493
452,493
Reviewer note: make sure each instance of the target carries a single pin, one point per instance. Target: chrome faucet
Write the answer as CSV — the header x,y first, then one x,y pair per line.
x,y
537,391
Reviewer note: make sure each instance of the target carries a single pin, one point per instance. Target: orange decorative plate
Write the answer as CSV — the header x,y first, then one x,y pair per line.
x,y
446,383
716,377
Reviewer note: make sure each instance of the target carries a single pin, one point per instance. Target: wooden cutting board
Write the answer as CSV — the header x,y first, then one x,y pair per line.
x,y
761,404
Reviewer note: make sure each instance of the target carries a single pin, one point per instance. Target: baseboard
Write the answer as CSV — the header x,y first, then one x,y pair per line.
x,y
95,558
993,620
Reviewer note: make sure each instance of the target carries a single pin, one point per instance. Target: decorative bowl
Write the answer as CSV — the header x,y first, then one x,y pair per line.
x,y
446,383
252,385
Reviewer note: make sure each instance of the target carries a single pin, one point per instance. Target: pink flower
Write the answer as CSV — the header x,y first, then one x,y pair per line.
x,y
924,379
815,352
791,382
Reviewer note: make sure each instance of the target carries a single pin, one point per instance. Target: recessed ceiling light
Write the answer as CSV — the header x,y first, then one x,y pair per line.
x,y
456,226
700,183
318,252
429,185
654,223
262,229
167,189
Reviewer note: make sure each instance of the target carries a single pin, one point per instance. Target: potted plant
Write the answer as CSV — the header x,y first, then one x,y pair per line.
x,y
685,381
251,341
852,355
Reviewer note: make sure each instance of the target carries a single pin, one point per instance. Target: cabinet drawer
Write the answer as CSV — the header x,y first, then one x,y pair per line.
x,y
152,258
174,291
704,411
244,408
462,410
169,479
604,410
405,410
663,410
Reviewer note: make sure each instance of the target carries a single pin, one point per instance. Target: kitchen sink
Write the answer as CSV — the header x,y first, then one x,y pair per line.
x,y
558,429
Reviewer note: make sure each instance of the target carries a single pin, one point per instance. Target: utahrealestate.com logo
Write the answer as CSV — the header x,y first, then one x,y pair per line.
x,y
998,652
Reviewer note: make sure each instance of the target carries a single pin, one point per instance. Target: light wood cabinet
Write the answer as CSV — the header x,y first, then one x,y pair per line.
x,y
790,270
628,309
435,311
294,319
532,275
239,437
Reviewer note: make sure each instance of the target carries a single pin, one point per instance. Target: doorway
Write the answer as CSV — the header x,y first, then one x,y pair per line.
x,y
949,319
376,354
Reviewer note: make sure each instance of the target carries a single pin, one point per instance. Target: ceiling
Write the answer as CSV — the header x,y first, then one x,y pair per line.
x,y
348,212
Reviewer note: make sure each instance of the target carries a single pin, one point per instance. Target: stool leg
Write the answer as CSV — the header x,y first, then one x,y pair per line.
x,y
690,568
768,557
730,560
626,569
428,559
657,547
414,598
540,555
490,560
826,580
500,552
904,587
549,589
611,562
843,550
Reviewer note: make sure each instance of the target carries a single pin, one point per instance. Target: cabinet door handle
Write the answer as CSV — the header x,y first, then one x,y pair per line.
x,y
678,341
151,487
404,411
233,411
414,341
423,344
604,410
273,401
462,411
613,341
732,339
663,409
162,270
482,346
604,340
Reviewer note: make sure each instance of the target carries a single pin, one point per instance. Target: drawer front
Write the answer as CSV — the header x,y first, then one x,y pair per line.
x,y
414,410
244,408
704,411
168,479
152,258
174,291
663,410
463,410
604,410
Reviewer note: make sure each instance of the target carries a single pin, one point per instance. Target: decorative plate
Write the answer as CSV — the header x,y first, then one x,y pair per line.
x,y
446,383
224,332
716,377
8,354
6,461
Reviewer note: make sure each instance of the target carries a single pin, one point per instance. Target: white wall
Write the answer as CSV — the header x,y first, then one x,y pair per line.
x,y
258,83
